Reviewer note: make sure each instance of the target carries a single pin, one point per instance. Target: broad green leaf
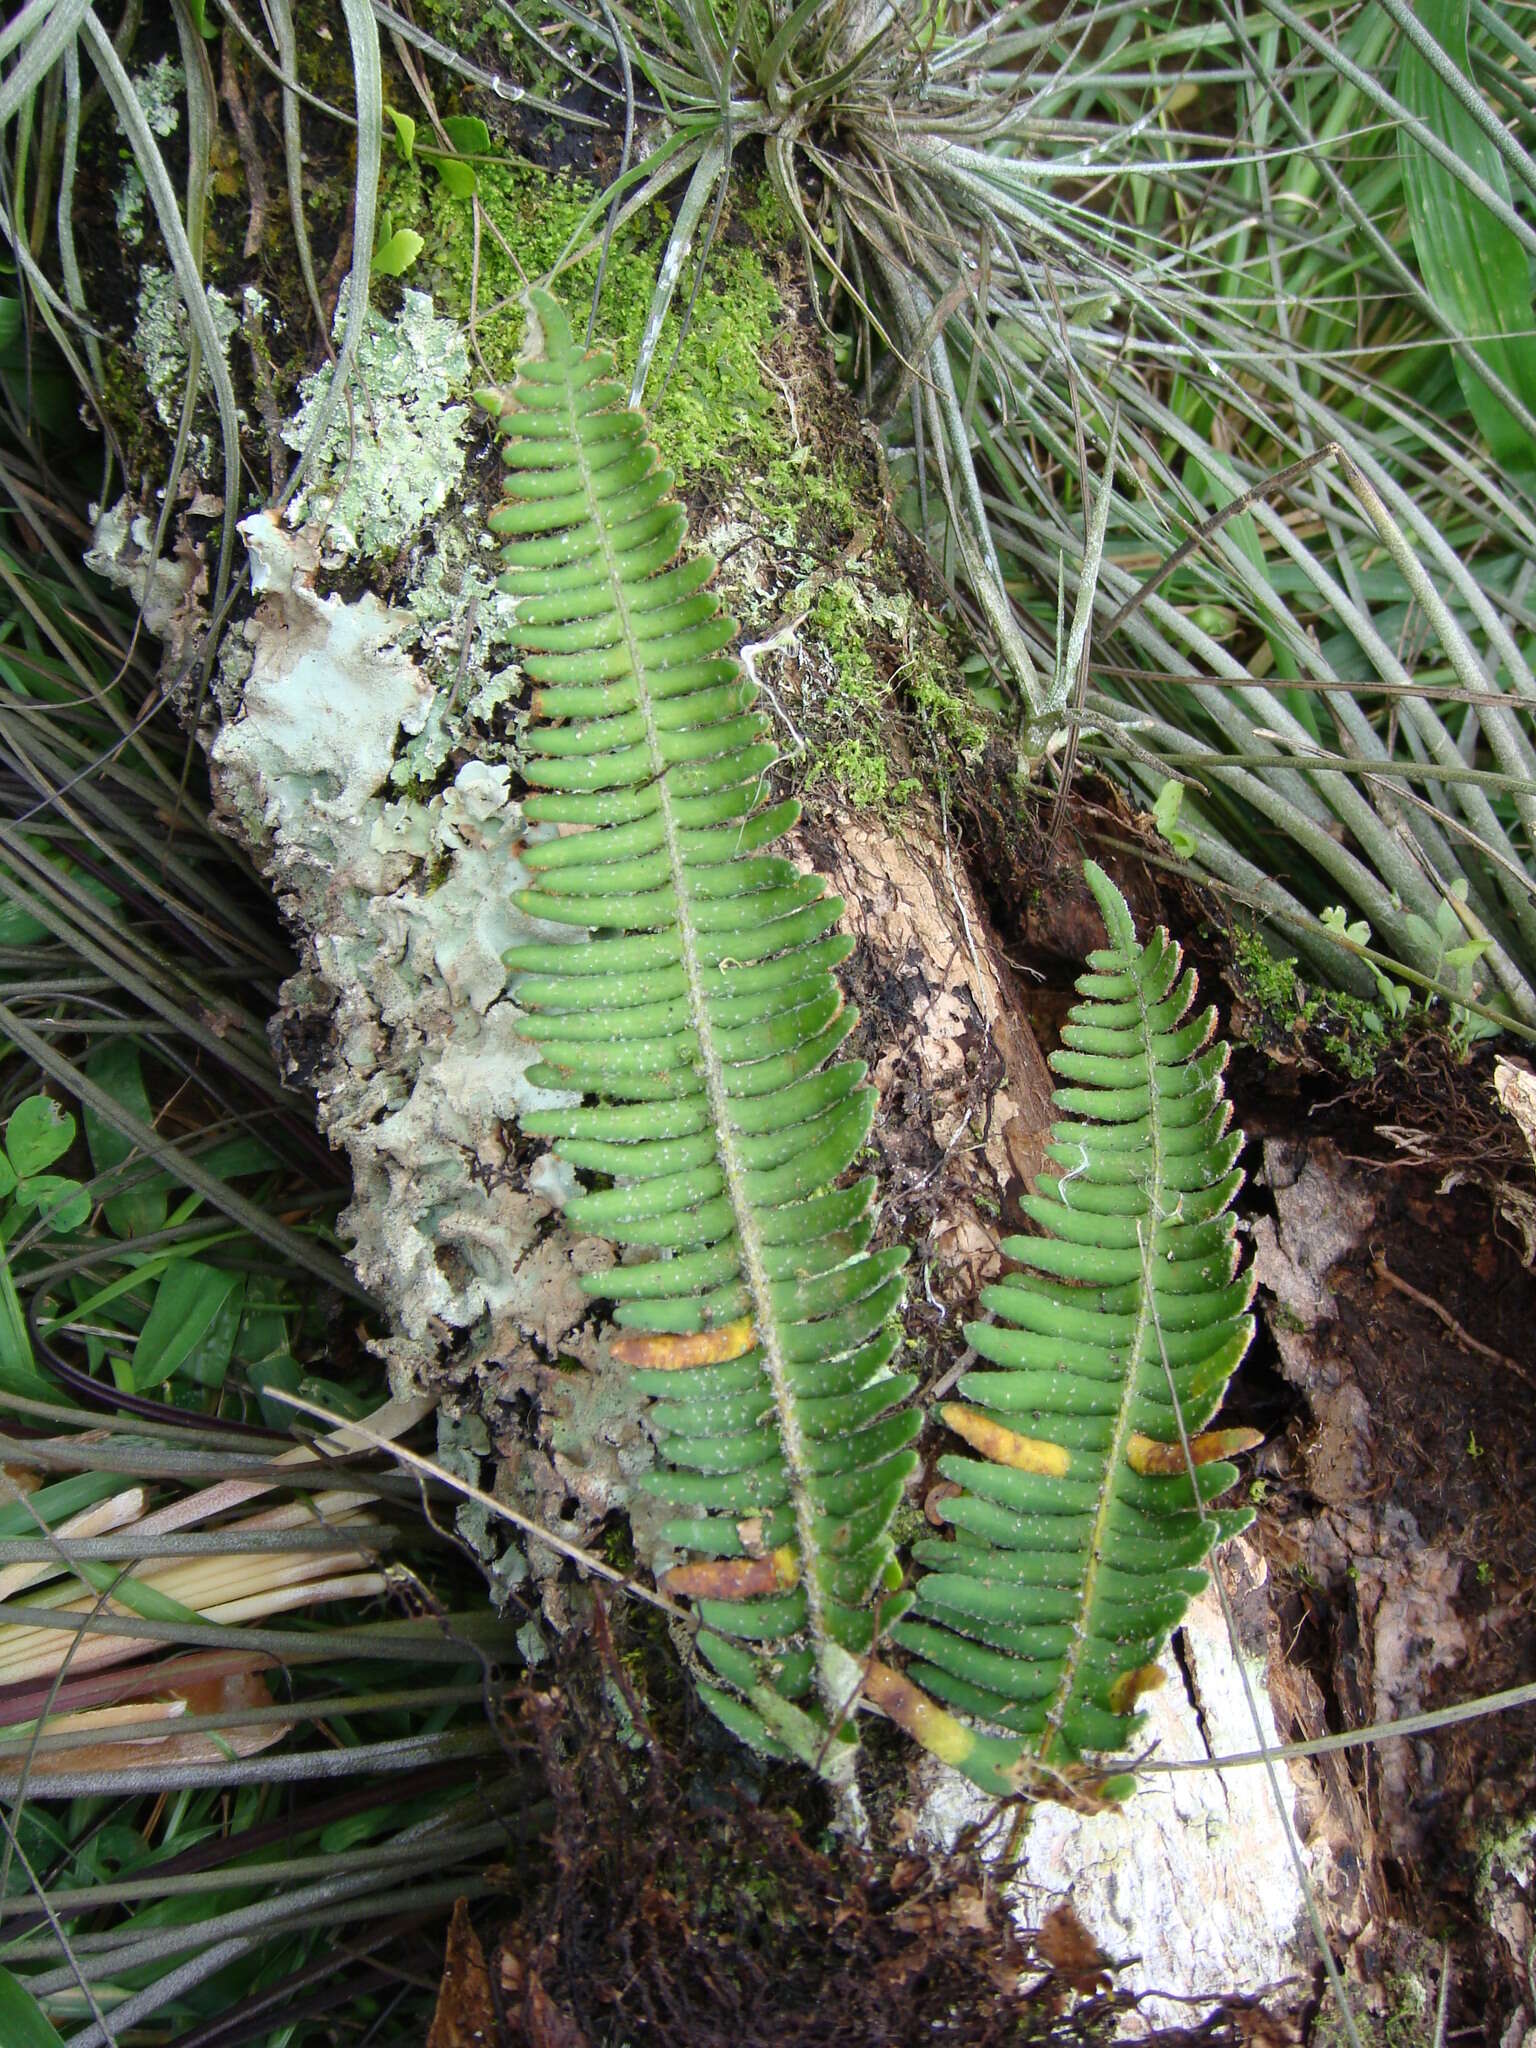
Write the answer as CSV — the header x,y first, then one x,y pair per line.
x,y
18,1372
470,137
38,1133
117,1069
7,1176
61,1203
468,134
187,1304
56,1502
1473,266
208,1360
459,177
398,253
343,1401
23,2023
280,1373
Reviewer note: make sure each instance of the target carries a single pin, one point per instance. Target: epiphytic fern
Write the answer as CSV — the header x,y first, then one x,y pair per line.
x,y
1079,1534
699,1023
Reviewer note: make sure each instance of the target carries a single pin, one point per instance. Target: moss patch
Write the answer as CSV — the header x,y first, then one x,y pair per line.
x,y
888,696
713,407
1282,1011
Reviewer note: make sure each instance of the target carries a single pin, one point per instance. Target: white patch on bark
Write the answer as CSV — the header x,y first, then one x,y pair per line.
x,y
1190,1879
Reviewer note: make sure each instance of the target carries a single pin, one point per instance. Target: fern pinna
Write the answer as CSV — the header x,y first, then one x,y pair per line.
x,y
1080,1530
699,1023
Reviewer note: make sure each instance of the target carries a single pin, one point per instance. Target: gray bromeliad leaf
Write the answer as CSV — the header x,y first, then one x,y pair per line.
x,y
699,1023
1079,1535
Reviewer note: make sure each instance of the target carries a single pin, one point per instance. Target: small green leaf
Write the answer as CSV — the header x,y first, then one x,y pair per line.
x,y
405,131
396,255
208,1360
61,1203
459,177
187,1303
281,1373
23,2023
468,134
38,1133
116,1068
18,1371
342,1401
1165,815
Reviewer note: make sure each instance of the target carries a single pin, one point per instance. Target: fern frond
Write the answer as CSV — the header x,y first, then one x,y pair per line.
x,y
1080,1530
699,1022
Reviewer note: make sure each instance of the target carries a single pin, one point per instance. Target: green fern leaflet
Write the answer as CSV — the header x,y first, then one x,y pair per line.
x,y
1080,1532
699,1021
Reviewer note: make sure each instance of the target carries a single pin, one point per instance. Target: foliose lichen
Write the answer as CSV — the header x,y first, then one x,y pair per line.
x,y
390,459
160,332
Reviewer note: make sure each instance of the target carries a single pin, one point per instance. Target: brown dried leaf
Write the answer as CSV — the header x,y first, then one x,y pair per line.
x,y
1005,1446
1071,1951
1146,1454
465,2016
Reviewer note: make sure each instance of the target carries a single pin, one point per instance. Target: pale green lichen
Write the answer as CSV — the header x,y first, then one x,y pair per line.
x,y
160,331
390,463
407,907
158,89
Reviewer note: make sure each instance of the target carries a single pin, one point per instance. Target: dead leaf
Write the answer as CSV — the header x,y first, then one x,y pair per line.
x,y
548,2026
1515,1086
465,2016
1073,1954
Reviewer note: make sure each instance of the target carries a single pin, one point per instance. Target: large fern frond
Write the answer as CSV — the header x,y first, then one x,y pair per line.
x,y
1080,1531
699,1022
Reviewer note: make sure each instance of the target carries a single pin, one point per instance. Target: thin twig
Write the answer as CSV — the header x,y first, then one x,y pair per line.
x,y
1463,1337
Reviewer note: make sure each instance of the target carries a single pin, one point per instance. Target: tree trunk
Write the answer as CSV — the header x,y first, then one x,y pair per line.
x,y
366,755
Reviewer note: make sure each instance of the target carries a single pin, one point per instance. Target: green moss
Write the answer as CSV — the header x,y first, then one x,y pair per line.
x,y
795,491
887,662
1352,1032
1403,2007
767,216
709,410
841,620
1268,981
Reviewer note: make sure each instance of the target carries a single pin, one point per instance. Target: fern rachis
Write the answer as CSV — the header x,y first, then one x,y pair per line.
x,y
1080,1528
701,1016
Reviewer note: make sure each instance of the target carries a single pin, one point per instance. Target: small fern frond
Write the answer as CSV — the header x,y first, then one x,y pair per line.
x,y
699,1022
1080,1529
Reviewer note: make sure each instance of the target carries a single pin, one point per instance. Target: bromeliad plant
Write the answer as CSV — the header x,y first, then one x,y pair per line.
x,y
700,1021
1182,240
